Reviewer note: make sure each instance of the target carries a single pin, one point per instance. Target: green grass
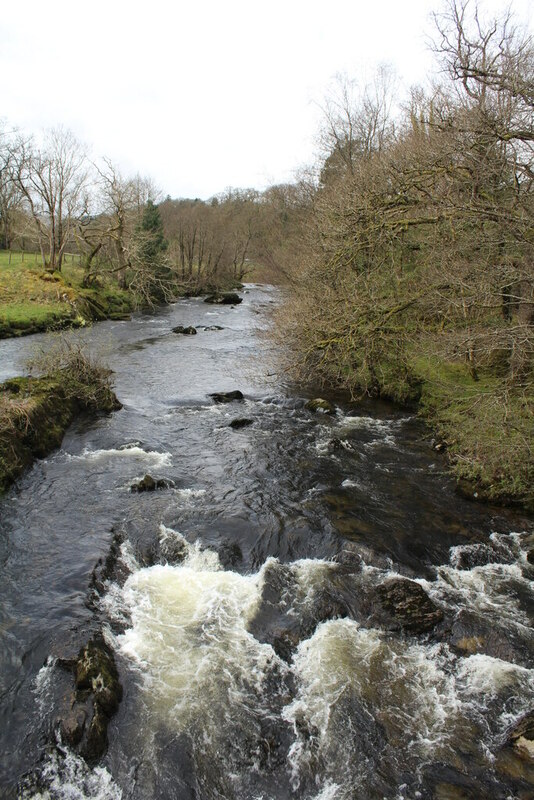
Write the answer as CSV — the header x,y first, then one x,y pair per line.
x,y
32,299
487,426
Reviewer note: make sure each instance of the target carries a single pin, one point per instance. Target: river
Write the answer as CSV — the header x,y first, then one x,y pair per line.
x,y
242,608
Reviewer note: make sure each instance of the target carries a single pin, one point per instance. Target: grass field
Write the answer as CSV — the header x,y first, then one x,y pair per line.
x,y
33,300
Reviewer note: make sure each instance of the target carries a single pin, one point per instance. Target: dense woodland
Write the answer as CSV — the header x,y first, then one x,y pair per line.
x,y
406,253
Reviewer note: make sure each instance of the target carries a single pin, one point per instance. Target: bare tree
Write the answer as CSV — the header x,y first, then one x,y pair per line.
x,y
51,179
10,195
357,121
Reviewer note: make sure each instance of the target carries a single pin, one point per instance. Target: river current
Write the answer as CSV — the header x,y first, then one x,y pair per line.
x,y
241,609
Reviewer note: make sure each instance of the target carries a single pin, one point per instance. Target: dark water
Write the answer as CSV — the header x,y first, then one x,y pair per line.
x,y
242,615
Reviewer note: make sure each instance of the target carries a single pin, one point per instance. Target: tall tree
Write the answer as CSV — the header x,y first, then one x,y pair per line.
x,y
51,179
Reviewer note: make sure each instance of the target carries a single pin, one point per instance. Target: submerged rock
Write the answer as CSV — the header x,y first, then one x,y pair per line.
x,y
241,422
408,605
213,328
149,484
230,555
227,397
224,299
321,405
189,331
472,633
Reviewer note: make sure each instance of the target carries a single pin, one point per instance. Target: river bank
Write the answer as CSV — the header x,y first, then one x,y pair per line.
x,y
34,300
36,412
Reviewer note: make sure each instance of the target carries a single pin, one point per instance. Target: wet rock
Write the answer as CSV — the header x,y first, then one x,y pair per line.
x,y
186,331
471,634
349,559
72,726
212,328
149,484
478,555
408,606
227,397
97,695
95,668
241,422
327,606
285,642
96,742
173,551
520,736
320,405
224,299
112,568
230,555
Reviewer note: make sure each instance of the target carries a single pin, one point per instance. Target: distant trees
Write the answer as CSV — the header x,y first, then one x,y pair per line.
x,y
10,196
219,240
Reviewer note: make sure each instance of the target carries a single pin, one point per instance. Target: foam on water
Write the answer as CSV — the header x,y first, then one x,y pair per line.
x,y
43,683
487,589
66,776
189,637
135,453
421,696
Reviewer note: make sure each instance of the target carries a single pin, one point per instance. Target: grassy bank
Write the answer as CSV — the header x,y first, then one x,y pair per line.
x,y
33,300
487,427
36,412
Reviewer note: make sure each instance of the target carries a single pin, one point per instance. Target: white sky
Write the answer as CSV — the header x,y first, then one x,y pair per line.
x,y
201,95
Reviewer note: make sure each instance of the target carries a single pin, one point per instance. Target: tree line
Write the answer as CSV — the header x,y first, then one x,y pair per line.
x,y
55,200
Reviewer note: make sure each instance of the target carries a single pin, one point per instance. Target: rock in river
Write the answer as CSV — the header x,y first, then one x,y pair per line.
x,y
224,299
408,605
189,331
227,397
149,484
321,405
96,699
241,422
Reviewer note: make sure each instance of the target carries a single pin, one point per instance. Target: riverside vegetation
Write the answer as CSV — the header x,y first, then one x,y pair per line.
x,y
36,411
416,279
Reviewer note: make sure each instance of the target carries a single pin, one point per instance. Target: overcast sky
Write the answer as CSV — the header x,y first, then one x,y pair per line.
x,y
204,94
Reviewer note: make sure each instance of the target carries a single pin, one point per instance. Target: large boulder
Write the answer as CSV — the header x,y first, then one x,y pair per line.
x,y
227,397
224,299
408,606
319,404
149,484
187,331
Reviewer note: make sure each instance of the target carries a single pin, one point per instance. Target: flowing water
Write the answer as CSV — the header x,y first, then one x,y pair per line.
x,y
242,607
